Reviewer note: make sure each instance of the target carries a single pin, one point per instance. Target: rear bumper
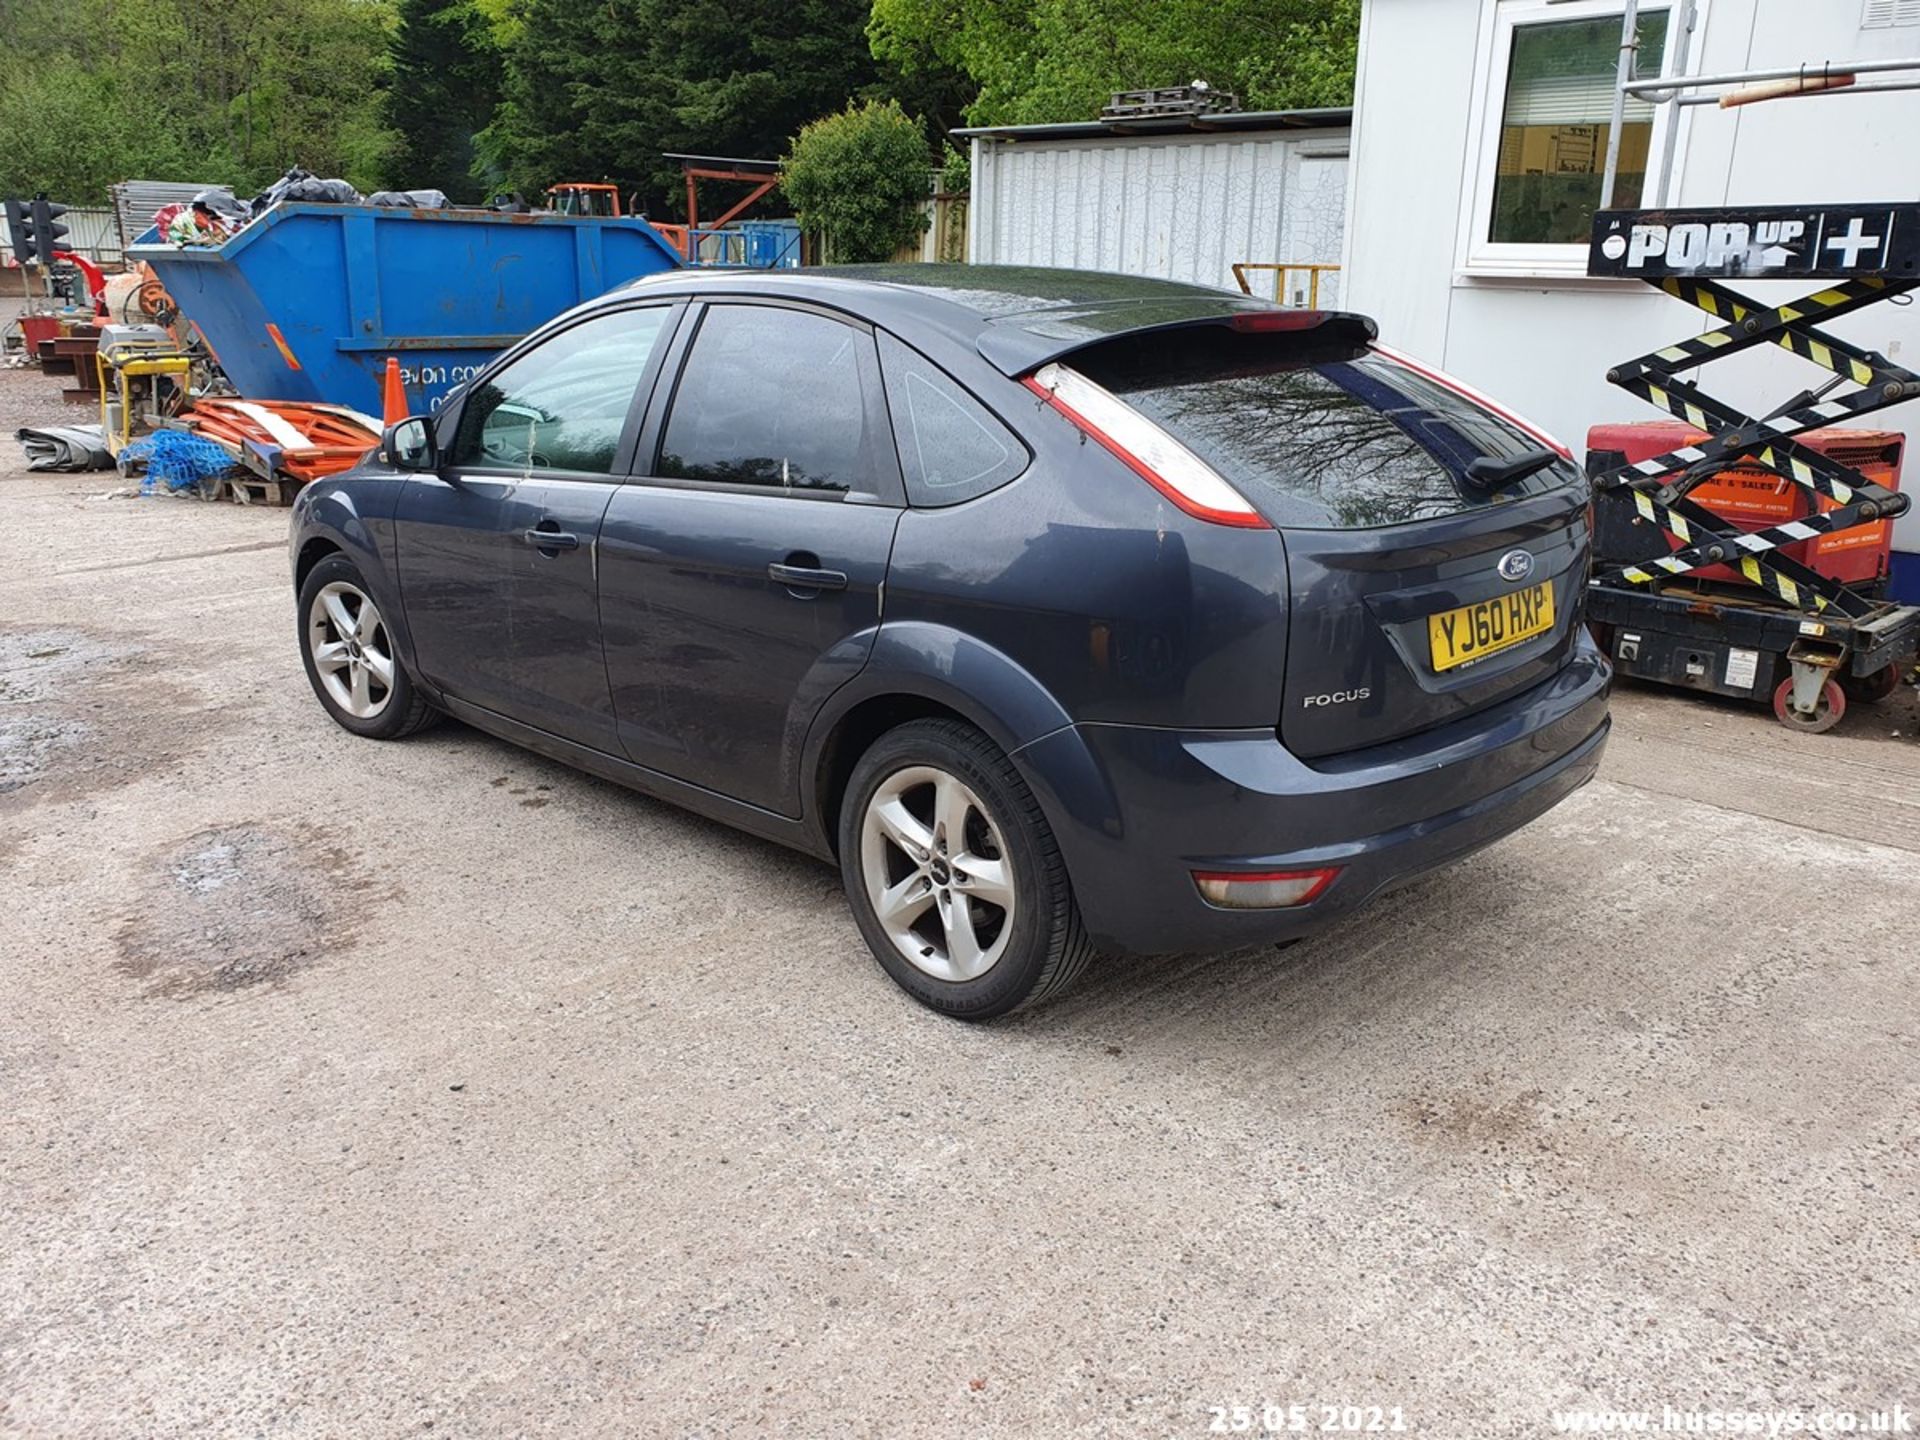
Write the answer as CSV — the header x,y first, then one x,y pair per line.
x,y
1136,809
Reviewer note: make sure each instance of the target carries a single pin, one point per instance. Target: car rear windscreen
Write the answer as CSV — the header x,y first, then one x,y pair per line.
x,y
1340,439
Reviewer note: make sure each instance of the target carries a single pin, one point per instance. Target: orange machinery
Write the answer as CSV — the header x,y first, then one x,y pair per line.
x,y
1753,499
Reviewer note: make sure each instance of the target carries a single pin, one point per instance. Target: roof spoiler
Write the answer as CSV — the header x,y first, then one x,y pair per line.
x,y
1021,344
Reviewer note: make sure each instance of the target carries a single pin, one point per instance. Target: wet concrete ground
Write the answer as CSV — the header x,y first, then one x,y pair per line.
x,y
431,1088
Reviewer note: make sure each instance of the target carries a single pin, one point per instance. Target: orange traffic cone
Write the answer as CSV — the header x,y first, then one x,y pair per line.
x,y
393,395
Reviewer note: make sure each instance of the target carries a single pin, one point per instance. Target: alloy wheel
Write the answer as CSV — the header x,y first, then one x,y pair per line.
x,y
351,649
937,873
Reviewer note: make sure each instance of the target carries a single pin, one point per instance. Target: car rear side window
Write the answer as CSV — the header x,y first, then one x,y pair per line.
x,y
1348,440
951,446
563,405
771,397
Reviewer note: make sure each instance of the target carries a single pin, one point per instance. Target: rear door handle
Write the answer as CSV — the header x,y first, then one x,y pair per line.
x,y
555,539
806,577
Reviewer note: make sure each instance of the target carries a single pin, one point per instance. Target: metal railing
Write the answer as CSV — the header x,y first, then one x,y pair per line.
x,y
1829,77
1281,269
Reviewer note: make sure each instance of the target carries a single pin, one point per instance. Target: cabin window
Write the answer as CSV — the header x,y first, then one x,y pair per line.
x,y
1545,117
1555,127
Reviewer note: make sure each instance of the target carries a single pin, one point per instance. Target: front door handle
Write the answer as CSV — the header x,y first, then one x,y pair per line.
x,y
542,538
806,577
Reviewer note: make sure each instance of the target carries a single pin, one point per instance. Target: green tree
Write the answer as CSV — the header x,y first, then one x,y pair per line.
x,y
598,91
956,171
447,73
222,91
857,179
1044,60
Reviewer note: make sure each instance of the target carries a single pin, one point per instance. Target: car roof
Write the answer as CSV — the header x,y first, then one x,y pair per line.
x,y
1018,317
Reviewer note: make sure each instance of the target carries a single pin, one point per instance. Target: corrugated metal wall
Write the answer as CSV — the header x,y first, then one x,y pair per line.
x,y
136,201
1178,207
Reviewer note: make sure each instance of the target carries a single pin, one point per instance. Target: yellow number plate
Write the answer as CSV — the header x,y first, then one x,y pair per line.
x,y
1474,631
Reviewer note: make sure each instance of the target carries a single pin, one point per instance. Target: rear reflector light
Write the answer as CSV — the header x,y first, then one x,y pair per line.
x,y
1143,447
1262,889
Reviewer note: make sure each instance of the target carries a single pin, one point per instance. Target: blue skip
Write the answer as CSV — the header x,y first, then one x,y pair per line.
x,y
308,301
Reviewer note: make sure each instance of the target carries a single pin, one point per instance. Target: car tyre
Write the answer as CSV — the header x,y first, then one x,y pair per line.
x,y
352,662
953,874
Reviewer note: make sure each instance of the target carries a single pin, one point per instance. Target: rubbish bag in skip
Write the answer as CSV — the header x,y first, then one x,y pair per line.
x,y
303,185
411,199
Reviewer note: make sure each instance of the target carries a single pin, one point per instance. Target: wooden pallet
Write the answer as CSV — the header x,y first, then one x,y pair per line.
x,y
253,490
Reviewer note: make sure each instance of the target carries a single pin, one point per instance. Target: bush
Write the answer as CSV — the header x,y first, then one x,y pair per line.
x,y
858,180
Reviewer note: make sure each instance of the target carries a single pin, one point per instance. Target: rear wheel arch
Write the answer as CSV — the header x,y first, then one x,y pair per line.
x,y
1059,768
855,732
941,835
919,670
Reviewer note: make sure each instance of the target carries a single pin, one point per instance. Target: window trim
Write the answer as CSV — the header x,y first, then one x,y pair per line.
x,y
887,487
1477,257
447,422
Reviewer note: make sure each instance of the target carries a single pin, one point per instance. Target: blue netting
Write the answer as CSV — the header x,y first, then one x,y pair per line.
x,y
175,459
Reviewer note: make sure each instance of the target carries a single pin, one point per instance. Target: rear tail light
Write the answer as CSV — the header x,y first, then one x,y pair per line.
x,y
1262,889
1143,447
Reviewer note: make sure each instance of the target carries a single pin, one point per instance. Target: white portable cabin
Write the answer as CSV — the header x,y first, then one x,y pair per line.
x,y
1479,139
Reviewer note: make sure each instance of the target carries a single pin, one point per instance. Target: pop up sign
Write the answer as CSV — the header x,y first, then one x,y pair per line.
x,y
1771,242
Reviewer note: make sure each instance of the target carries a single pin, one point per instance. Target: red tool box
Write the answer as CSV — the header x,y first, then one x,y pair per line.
x,y
1753,499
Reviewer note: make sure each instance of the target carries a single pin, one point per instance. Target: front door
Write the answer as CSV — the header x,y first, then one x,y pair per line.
x,y
497,551
741,574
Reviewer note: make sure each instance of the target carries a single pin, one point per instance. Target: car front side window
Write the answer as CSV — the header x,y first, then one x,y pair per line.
x,y
564,404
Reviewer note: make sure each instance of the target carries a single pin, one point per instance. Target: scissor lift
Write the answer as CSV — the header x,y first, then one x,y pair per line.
x,y
1791,632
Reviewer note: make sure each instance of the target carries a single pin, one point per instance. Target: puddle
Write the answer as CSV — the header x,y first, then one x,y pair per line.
x,y
29,744
241,906
38,670
78,714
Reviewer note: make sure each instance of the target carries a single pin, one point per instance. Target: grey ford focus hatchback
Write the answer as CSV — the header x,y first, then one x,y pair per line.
x,y
1064,612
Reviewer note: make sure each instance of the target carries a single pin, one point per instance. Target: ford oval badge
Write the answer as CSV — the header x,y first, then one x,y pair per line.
x,y
1515,565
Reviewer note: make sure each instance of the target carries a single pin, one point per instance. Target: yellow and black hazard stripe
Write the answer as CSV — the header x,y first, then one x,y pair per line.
x,y
1792,326
1755,555
1734,437
1660,484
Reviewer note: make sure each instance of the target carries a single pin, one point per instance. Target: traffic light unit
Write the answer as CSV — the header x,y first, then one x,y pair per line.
x,y
20,231
46,232
35,230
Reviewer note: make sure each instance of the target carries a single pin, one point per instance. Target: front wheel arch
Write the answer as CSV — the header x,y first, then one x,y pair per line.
x,y
406,708
311,554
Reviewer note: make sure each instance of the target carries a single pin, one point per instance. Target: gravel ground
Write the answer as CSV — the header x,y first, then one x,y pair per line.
x,y
364,1090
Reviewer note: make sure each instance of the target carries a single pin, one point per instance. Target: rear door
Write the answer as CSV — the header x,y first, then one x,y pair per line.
x,y
497,551
742,568
1419,590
